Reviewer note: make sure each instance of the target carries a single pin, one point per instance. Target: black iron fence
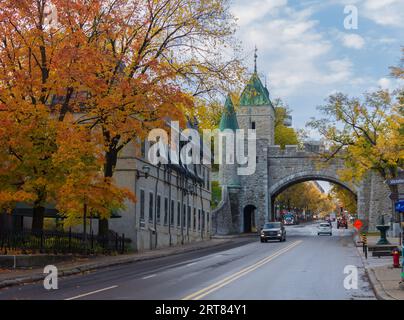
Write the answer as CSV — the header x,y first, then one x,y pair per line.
x,y
57,242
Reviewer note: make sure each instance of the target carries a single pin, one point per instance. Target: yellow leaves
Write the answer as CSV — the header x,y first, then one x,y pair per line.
x,y
8,199
305,196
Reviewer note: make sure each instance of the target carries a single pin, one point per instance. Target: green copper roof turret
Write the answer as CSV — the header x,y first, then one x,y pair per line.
x,y
255,94
229,119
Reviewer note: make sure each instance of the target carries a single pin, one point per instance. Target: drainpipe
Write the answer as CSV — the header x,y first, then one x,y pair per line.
x,y
169,208
182,210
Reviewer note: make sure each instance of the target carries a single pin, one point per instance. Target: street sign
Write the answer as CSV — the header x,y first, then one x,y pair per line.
x,y
358,224
392,182
400,206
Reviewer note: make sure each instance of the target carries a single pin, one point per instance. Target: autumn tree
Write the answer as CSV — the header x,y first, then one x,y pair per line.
x,y
151,65
365,134
122,67
305,196
284,135
344,197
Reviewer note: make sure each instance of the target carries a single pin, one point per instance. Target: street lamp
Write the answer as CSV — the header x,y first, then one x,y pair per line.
x,y
144,173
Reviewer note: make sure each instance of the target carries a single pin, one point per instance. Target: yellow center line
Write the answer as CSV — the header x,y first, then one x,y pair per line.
x,y
215,286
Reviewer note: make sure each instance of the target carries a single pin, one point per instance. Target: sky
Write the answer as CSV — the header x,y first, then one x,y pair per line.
x,y
305,53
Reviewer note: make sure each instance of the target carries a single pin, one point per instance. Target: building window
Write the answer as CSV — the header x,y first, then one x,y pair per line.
x,y
199,219
189,217
203,220
253,125
184,216
178,214
194,220
165,211
172,213
207,221
142,208
151,202
208,179
158,215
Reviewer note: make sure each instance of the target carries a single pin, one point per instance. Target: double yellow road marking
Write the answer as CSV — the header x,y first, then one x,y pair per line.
x,y
215,286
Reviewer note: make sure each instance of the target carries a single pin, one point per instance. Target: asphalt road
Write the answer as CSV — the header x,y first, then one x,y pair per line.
x,y
306,266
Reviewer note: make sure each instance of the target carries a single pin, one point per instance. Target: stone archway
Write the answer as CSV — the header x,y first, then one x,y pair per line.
x,y
281,185
249,218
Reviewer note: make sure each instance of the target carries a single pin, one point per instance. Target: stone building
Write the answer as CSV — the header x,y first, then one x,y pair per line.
x,y
173,201
248,200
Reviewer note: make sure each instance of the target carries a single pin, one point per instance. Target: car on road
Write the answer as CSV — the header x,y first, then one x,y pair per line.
x,y
273,231
324,228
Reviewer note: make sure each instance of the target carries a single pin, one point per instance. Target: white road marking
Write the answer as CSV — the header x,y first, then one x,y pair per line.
x,y
90,293
149,276
191,264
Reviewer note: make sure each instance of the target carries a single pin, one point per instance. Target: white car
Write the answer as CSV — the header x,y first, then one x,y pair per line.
x,y
324,228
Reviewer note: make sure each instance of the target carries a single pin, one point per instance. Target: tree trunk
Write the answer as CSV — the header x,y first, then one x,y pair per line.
x,y
111,157
37,218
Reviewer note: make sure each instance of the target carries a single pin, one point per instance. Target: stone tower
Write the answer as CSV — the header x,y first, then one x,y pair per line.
x,y
246,195
256,112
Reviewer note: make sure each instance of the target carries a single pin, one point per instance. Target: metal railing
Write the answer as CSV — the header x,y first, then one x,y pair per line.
x,y
58,242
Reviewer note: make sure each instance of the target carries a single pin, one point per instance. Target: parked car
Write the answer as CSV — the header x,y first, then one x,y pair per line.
x,y
324,228
273,231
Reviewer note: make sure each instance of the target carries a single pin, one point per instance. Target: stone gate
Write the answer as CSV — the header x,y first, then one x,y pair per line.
x,y
248,201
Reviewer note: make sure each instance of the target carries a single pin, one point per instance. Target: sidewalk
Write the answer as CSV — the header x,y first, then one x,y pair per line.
x,y
80,265
383,277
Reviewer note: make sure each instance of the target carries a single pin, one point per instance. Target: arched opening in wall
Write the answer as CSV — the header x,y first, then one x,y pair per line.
x,y
249,218
308,198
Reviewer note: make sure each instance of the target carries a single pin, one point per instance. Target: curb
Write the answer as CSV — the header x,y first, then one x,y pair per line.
x,y
96,266
377,287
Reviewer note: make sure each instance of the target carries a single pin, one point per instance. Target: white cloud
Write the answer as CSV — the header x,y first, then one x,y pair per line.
x,y
297,55
249,11
384,12
390,83
352,40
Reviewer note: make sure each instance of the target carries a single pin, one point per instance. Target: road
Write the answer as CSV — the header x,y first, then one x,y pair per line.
x,y
306,266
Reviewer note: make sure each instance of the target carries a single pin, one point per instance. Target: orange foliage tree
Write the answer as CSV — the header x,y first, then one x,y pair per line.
x,y
121,67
